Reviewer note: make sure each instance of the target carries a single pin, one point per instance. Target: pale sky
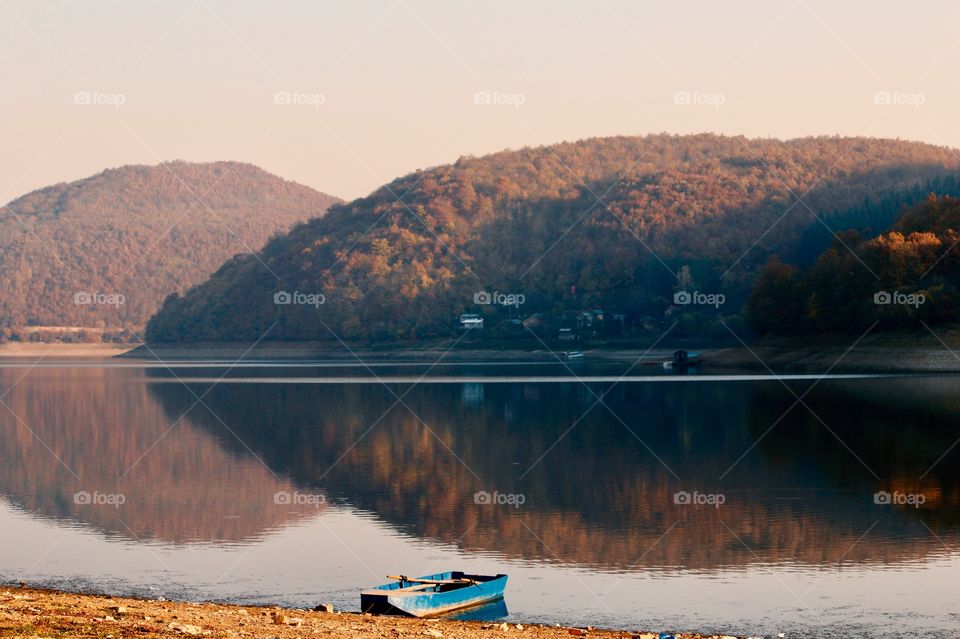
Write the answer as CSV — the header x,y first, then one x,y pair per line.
x,y
379,89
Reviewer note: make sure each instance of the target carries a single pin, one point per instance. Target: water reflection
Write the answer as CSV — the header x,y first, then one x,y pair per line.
x,y
598,482
90,431
598,479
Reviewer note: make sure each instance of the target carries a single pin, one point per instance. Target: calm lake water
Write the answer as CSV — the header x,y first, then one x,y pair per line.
x,y
710,503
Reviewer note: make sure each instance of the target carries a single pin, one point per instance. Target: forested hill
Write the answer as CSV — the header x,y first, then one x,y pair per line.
x,y
903,278
105,251
602,223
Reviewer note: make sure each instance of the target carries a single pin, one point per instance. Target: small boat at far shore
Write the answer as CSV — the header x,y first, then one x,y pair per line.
x,y
432,595
684,359
573,355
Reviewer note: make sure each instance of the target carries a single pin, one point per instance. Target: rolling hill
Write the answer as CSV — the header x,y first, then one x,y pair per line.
x,y
106,250
617,223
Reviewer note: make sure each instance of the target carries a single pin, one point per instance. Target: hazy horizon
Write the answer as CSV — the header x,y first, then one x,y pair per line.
x,y
346,98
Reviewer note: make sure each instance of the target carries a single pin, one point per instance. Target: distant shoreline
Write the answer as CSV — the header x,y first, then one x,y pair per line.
x,y
894,352
881,353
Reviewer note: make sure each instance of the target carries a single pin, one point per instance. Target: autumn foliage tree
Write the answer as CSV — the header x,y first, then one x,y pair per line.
x,y
896,279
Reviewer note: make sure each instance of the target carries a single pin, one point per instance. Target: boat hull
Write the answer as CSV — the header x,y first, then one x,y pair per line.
x,y
398,599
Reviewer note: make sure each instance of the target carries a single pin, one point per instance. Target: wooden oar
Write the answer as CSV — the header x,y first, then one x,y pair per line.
x,y
432,581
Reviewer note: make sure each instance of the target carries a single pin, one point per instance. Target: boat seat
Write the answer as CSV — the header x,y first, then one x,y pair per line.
x,y
416,588
400,591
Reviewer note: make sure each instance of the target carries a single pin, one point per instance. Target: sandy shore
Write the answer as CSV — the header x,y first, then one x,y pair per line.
x,y
920,351
37,350
28,612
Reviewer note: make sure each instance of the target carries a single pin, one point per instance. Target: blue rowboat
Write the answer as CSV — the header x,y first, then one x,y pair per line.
x,y
432,595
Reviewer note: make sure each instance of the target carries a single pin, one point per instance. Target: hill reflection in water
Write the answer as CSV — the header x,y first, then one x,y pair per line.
x,y
596,491
599,491
93,430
